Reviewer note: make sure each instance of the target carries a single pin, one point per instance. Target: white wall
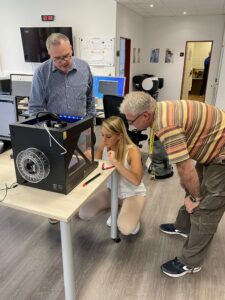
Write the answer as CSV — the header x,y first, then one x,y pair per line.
x,y
98,18
173,32
88,18
130,25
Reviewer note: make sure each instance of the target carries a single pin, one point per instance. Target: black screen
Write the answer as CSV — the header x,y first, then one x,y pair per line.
x,y
5,86
34,38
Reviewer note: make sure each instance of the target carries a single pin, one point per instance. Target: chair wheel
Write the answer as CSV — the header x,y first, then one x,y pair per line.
x,y
117,240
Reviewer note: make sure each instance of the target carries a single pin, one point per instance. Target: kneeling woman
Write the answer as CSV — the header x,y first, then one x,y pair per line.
x,y
121,152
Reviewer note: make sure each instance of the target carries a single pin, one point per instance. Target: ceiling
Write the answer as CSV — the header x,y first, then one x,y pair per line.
x,y
171,8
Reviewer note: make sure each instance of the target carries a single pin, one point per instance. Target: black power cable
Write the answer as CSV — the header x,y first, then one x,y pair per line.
x,y
12,186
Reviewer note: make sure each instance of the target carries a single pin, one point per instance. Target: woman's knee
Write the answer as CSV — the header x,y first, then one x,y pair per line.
x,y
84,215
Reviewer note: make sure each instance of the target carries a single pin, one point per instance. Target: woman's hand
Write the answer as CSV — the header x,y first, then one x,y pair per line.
x,y
132,174
88,153
111,156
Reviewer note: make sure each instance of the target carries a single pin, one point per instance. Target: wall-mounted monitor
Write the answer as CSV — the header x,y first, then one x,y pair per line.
x,y
108,85
34,38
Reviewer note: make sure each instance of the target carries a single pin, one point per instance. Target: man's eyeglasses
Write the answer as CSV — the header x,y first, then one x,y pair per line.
x,y
62,58
131,122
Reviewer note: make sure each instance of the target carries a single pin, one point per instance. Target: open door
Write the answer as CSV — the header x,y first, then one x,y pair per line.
x,y
125,46
196,69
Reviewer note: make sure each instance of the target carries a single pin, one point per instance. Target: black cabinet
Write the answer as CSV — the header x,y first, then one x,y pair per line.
x,y
196,86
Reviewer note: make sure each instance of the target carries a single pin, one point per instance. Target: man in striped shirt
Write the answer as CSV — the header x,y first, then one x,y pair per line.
x,y
190,132
63,84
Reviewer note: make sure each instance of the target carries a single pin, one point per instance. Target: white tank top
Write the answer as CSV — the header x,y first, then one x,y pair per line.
x,y
125,188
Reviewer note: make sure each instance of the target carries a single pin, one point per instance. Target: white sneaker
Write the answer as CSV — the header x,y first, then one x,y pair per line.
x,y
135,231
108,222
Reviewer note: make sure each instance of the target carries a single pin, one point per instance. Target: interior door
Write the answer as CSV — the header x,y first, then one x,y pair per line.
x,y
124,69
187,75
196,69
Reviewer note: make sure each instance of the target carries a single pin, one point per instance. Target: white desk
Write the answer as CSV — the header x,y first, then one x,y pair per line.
x,y
58,206
99,105
100,115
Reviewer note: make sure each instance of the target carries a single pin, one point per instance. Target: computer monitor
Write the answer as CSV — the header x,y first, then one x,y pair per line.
x,y
108,85
21,84
5,86
8,115
34,38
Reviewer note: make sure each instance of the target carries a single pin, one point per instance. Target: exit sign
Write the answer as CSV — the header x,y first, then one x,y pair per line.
x,y
47,17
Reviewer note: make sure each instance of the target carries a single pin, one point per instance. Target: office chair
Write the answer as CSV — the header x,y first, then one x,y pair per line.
x,y
111,106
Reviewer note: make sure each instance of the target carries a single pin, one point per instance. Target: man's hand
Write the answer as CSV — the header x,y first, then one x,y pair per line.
x,y
190,206
189,177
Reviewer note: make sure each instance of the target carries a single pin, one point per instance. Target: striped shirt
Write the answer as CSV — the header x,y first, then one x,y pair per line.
x,y
190,129
60,93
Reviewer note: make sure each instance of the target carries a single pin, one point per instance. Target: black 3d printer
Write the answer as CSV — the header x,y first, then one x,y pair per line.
x,y
49,151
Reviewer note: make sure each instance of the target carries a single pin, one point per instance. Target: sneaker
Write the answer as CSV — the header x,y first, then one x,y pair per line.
x,y
175,268
108,222
135,231
53,221
171,229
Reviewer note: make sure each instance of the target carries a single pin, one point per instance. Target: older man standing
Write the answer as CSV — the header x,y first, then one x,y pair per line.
x,y
190,132
63,84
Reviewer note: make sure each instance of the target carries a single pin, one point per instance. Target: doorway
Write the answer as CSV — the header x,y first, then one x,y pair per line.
x,y
124,69
196,69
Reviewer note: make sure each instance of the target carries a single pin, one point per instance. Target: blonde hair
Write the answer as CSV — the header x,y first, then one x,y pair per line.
x,y
115,125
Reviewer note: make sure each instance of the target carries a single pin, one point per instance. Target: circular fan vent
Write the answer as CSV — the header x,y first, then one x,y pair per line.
x,y
33,165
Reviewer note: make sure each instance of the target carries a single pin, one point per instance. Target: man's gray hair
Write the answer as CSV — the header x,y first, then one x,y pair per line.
x,y
136,103
55,39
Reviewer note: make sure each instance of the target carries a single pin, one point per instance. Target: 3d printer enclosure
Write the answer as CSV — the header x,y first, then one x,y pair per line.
x,y
61,178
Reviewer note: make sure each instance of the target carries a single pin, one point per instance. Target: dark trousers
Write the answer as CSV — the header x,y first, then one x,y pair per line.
x,y
203,222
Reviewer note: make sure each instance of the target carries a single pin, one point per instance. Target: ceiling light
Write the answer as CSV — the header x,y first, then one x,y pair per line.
x,y
184,12
151,5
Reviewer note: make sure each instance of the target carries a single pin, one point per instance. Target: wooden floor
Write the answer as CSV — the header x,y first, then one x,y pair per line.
x,y
31,265
196,98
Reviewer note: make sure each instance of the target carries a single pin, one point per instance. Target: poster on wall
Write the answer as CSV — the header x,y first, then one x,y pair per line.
x,y
169,56
154,55
139,55
98,51
134,55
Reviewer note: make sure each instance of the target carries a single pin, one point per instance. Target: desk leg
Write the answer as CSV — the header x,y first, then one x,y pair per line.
x,y
114,205
67,257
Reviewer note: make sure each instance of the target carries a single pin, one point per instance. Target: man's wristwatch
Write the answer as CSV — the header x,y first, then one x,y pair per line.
x,y
193,199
